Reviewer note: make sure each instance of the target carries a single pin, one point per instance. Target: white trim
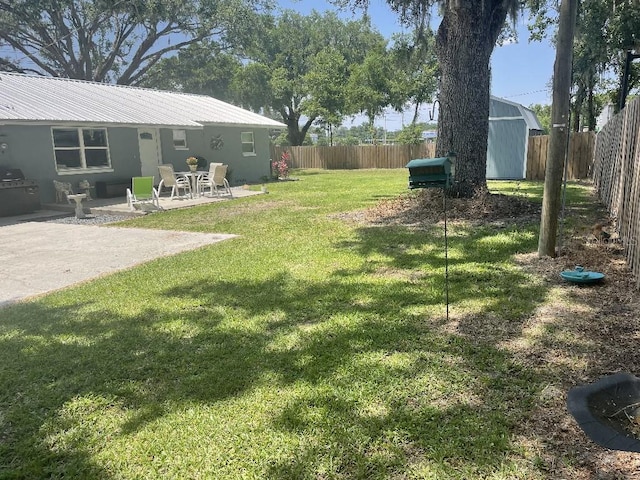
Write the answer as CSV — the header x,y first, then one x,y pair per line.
x,y
81,124
503,100
200,126
252,153
81,148
526,151
244,125
84,171
179,134
508,118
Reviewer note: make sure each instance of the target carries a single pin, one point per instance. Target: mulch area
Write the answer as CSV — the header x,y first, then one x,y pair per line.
x,y
587,333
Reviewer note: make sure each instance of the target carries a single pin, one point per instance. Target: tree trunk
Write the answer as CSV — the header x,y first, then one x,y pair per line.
x,y
576,108
464,43
559,128
295,134
593,118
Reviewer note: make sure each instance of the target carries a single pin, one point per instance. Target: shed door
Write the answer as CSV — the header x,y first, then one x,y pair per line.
x,y
150,158
507,149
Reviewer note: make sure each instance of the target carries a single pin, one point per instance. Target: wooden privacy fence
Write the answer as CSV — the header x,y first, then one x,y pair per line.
x,y
349,157
580,156
616,176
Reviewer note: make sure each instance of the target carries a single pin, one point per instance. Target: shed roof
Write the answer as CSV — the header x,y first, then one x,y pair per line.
x,y
505,109
39,99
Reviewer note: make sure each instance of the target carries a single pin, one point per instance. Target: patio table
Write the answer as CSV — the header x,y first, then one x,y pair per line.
x,y
193,178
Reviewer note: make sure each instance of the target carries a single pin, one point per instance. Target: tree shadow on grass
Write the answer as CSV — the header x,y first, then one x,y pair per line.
x,y
385,388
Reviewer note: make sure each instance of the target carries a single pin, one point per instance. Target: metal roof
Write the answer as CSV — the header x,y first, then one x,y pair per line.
x,y
525,113
38,99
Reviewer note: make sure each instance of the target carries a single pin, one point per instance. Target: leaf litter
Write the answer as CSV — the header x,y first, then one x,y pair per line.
x,y
579,334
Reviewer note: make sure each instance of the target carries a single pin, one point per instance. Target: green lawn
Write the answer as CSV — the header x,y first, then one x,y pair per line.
x,y
306,348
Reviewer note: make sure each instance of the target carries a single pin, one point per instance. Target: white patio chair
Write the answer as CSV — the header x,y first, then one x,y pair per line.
x,y
203,180
218,180
63,190
176,182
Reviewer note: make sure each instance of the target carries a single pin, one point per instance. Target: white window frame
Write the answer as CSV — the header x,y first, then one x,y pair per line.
x,y
82,149
245,141
180,140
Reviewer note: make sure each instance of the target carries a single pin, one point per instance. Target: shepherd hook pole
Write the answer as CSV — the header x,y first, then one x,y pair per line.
x,y
446,254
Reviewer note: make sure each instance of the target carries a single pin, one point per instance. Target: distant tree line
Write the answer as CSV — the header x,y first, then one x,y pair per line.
x,y
411,134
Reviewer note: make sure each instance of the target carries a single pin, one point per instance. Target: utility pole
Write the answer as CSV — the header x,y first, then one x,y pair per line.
x,y
559,131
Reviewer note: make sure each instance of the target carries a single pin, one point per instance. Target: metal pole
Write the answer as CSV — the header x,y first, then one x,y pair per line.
x,y
446,253
564,187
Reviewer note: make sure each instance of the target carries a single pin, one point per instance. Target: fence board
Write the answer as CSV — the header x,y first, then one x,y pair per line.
x,y
580,156
616,176
341,157
348,157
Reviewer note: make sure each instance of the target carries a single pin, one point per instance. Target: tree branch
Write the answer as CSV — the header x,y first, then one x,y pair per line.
x,y
142,61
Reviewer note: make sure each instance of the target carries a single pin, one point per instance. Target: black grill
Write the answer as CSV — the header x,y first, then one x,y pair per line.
x,y
18,195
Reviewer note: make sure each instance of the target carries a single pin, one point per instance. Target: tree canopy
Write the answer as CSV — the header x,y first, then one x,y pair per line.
x,y
464,42
415,66
299,66
113,40
370,86
201,68
605,30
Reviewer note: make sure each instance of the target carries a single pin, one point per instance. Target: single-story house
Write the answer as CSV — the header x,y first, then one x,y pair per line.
x,y
510,126
76,131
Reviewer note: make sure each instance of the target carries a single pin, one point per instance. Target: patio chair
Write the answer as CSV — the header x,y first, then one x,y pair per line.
x,y
142,193
218,180
203,180
63,190
176,182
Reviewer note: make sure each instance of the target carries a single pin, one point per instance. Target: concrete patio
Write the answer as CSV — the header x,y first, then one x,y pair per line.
x,y
118,206
73,253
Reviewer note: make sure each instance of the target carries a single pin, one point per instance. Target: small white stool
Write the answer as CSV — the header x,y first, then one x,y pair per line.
x,y
78,199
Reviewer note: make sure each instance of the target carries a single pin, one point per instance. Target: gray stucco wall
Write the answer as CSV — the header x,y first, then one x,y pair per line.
x,y
242,168
30,148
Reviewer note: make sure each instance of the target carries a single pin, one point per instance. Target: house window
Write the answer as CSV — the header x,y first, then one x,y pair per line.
x,y
81,148
180,139
248,145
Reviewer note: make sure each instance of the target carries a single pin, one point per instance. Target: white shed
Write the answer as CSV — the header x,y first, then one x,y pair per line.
x,y
510,125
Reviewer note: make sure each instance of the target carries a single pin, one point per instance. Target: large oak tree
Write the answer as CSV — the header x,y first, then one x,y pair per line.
x,y
288,65
112,40
465,39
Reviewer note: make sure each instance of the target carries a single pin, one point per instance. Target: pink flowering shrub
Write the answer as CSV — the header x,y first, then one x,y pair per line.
x,y
280,168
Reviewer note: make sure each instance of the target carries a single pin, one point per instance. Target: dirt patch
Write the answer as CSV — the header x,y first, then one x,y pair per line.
x,y
582,334
426,207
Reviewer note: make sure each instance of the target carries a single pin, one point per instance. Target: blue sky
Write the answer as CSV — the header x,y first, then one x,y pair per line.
x,y
521,72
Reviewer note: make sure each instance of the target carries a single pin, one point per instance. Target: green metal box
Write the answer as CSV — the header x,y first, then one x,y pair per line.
x,y
430,173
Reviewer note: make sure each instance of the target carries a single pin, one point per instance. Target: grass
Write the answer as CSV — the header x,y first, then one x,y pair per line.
x,y
308,347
